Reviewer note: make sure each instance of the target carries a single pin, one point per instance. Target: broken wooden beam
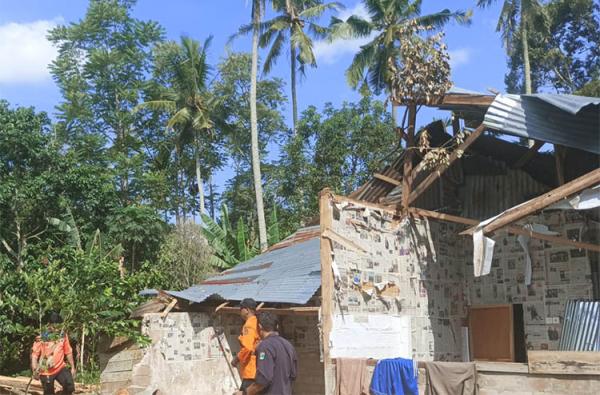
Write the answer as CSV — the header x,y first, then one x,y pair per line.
x,y
387,179
515,230
527,156
344,242
434,175
534,205
408,158
168,309
560,153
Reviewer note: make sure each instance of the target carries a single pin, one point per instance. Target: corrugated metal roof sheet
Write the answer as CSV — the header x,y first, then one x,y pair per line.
x,y
572,121
289,272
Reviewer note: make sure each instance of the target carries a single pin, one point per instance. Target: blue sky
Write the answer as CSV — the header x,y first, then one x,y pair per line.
x,y
477,57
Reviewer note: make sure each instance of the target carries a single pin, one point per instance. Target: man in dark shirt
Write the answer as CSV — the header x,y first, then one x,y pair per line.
x,y
276,360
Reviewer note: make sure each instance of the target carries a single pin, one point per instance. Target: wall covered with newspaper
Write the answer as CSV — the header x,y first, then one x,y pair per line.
x,y
559,273
411,268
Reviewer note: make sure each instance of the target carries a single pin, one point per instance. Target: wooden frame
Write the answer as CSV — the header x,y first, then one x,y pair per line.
x,y
327,281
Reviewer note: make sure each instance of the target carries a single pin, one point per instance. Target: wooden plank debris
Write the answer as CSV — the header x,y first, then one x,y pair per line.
x,y
564,362
426,183
534,205
169,308
17,385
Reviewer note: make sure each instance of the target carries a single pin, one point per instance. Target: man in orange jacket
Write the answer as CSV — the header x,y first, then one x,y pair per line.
x,y
245,359
48,358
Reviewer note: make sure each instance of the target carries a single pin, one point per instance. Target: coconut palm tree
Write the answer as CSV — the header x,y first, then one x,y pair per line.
x,y
385,20
186,97
258,7
297,25
518,16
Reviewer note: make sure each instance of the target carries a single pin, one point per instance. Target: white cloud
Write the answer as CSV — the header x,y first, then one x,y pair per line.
x,y
459,57
25,51
330,52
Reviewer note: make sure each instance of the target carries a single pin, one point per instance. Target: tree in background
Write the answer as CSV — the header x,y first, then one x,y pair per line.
x,y
377,61
185,257
102,64
234,86
181,90
565,57
338,148
516,19
296,16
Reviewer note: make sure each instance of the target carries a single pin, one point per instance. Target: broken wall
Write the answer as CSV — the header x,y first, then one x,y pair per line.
x,y
559,273
184,358
410,269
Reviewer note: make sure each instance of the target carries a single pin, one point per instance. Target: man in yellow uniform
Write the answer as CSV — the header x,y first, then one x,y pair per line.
x,y
245,359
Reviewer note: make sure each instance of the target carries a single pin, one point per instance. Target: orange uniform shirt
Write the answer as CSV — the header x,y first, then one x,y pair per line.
x,y
51,354
248,340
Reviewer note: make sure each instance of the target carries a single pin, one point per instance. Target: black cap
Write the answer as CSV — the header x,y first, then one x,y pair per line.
x,y
54,318
248,303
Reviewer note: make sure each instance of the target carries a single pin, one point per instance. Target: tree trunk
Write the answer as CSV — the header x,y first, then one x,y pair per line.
x,y
199,178
526,64
260,210
525,44
211,197
293,84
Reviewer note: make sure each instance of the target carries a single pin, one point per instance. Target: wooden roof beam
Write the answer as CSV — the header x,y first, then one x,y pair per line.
x,y
534,205
387,179
527,156
441,169
515,230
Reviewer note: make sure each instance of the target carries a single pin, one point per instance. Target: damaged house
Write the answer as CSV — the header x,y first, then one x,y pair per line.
x,y
490,256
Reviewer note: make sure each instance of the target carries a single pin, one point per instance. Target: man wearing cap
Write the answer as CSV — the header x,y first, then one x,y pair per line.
x,y
48,358
245,359
276,363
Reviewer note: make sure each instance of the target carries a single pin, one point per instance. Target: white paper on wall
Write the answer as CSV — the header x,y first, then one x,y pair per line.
x,y
371,336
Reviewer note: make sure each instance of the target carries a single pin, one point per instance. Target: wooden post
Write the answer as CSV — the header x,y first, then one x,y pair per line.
x,y
326,219
410,143
559,159
455,124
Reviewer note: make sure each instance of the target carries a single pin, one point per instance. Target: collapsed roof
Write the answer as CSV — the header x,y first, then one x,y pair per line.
x,y
289,272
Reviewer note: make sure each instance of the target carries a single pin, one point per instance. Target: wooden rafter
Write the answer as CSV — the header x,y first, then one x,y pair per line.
x,y
387,179
475,100
534,205
341,240
441,169
528,155
516,230
308,310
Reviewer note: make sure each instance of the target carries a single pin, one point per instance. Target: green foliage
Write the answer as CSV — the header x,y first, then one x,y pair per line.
x,y
139,230
371,66
86,289
185,257
338,148
229,246
564,52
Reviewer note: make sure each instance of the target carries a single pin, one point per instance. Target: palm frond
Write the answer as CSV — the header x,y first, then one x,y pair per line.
x,y
304,45
317,10
439,19
181,117
274,52
168,106
485,3
360,62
